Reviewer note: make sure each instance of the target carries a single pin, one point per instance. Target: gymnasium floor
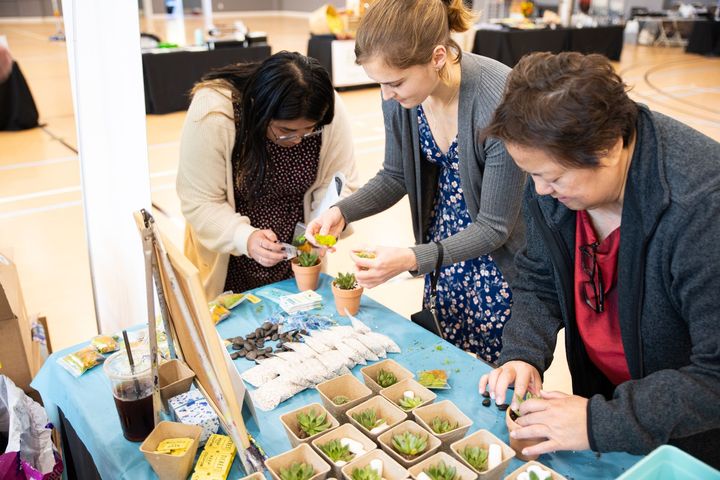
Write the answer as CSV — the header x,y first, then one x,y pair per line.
x,y
41,219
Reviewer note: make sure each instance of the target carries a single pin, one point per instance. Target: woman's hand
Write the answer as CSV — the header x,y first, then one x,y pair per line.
x,y
556,416
388,262
264,248
330,222
524,376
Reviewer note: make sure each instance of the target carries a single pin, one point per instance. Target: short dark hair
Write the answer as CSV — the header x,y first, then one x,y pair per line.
x,y
570,105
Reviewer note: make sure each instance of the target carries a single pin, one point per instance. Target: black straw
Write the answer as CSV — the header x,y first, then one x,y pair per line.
x,y
131,362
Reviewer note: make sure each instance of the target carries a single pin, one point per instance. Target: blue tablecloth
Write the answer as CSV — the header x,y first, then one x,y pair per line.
x,y
88,405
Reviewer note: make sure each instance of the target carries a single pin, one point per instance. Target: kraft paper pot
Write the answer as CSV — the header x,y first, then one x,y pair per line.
x,y
385,441
445,410
370,373
171,467
483,438
391,470
383,409
292,428
396,392
462,472
303,453
524,467
347,386
343,431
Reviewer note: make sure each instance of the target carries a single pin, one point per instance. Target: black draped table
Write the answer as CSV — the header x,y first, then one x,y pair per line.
x,y
508,46
169,76
17,107
704,38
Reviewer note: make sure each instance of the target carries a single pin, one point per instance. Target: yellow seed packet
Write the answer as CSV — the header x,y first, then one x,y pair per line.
x,y
174,446
213,462
252,298
203,475
220,444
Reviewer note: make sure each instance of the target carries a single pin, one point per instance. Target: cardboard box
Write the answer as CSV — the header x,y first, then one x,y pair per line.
x,y
15,332
192,408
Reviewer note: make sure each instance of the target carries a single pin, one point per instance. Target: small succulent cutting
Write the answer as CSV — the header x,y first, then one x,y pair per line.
x,y
336,451
312,423
410,444
345,281
368,419
297,471
477,457
514,414
325,240
364,254
408,404
437,379
441,471
365,473
386,378
308,259
340,400
442,425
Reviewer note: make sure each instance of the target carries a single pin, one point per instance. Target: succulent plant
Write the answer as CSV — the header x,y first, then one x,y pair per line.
x,y
441,471
336,451
340,400
410,444
308,259
312,422
442,425
408,404
477,457
345,281
514,414
365,473
297,471
433,378
386,378
368,419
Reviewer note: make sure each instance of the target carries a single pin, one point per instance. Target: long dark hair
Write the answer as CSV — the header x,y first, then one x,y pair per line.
x,y
285,86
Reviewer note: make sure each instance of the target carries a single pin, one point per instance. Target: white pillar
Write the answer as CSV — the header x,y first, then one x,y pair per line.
x,y
107,87
148,15
207,16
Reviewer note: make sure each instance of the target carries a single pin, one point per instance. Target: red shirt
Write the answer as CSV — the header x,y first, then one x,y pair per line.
x,y
600,332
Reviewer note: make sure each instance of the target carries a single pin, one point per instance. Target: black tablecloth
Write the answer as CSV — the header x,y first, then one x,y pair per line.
x,y
704,38
168,77
17,107
508,46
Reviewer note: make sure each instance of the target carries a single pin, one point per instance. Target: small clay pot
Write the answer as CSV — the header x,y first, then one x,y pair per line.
x,y
519,444
347,300
307,278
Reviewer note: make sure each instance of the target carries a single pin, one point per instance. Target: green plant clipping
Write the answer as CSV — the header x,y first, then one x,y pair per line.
x,y
410,444
442,425
312,423
340,400
441,471
528,395
433,378
386,378
365,473
297,471
368,419
345,281
325,240
308,259
477,457
408,404
336,451
533,476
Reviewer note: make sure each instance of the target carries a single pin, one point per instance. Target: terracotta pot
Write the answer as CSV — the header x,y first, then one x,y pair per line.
x,y
517,444
523,467
370,373
306,277
344,431
483,438
449,411
344,385
462,472
347,299
385,441
303,453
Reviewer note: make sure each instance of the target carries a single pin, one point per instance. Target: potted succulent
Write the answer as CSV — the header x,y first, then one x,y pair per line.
x,y
306,423
375,416
408,443
408,394
484,453
375,465
534,471
300,463
441,466
444,420
384,374
342,393
519,444
341,446
347,294
306,267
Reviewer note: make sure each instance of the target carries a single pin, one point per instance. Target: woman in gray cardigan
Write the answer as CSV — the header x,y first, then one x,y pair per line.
x,y
465,191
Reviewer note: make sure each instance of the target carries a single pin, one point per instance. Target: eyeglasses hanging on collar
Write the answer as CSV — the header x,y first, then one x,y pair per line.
x,y
593,290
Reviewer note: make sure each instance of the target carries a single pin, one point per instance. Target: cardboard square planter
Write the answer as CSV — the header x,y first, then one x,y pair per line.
x,y
303,453
175,378
370,373
254,476
170,467
524,467
292,429
446,410
395,393
385,441
343,431
483,438
344,385
383,408
392,470
462,472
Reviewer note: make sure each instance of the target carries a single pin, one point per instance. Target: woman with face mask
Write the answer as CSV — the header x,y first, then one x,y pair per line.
x,y
260,145
464,191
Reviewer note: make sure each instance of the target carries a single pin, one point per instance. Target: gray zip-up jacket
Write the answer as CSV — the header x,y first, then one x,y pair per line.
x,y
668,297
492,184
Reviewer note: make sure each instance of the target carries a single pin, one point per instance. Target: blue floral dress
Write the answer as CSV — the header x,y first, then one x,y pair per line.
x,y
473,299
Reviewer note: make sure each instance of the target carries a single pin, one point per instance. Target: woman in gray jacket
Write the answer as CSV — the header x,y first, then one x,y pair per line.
x,y
465,191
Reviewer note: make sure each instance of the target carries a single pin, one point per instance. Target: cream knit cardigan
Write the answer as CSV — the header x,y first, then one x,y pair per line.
x,y
205,182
